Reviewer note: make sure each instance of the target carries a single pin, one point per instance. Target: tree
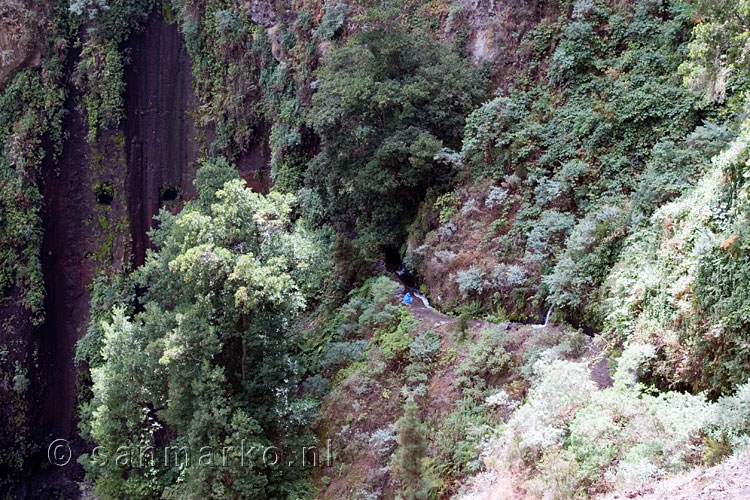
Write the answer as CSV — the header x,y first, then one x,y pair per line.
x,y
387,102
412,448
718,51
208,364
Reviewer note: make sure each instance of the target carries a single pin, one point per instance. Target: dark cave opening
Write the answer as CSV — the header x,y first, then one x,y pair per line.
x,y
169,193
104,193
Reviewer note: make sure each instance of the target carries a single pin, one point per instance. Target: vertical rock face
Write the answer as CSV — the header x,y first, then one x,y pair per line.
x,y
161,138
67,205
495,28
148,164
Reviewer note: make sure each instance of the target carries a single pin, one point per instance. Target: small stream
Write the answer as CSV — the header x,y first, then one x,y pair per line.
x,y
406,279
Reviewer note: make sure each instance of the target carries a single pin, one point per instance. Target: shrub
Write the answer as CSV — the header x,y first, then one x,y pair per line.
x,y
458,438
631,437
562,388
445,256
634,363
496,197
384,440
470,281
425,346
590,252
680,282
383,289
394,339
616,437
547,234
486,361
550,344
508,276
447,206
469,208
332,22
447,229
729,419
340,354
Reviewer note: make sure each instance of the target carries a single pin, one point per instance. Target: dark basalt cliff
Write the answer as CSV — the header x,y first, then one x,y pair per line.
x,y
147,164
161,138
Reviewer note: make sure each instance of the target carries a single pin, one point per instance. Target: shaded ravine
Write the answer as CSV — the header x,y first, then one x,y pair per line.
x,y
159,151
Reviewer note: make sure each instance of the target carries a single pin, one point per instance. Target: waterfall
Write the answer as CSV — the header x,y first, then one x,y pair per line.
x,y
549,313
422,298
546,318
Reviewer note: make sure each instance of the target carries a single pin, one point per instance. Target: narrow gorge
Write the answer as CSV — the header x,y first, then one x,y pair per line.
x,y
409,249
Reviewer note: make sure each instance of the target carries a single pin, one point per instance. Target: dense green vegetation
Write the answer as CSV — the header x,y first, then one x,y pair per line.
x,y
577,156
603,184
388,105
212,352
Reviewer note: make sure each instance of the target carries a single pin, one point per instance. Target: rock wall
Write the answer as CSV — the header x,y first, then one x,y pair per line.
x,y
161,138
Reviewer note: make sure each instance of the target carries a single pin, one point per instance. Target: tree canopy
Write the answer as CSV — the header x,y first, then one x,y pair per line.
x,y
208,358
387,103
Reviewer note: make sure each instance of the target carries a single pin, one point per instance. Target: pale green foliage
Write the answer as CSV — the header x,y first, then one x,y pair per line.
x,y
333,19
551,230
550,344
729,418
486,361
680,282
383,289
90,7
447,206
395,338
719,47
635,361
508,276
563,388
579,438
483,126
20,380
459,437
446,256
589,254
470,281
425,346
629,438
496,197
